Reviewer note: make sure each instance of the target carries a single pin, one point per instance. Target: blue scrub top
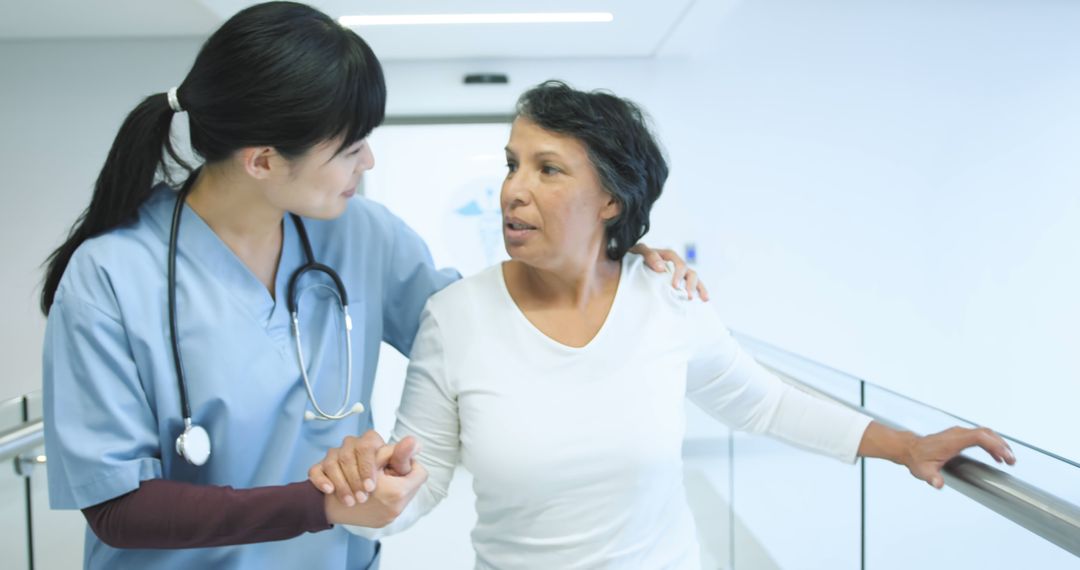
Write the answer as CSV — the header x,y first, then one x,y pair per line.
x,y
111,397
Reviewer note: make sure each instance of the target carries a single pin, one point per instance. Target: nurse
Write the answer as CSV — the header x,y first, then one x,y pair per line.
x,y
279,101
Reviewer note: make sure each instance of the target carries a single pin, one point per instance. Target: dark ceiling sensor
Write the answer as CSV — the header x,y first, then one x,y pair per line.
x,y
486,79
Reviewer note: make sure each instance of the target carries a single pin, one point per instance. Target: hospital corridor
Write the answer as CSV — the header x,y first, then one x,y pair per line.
x,y
636,285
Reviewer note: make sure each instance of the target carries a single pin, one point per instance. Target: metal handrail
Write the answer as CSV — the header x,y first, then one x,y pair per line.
x,y
1049,516
22,439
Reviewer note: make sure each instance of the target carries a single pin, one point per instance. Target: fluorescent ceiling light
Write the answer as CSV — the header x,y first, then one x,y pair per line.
x,y
427,19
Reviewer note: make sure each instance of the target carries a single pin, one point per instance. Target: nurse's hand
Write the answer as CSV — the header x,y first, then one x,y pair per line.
x,y
353,471
385,503
655,259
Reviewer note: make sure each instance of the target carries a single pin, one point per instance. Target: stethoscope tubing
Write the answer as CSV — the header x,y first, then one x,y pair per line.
x,y
178,363
310,265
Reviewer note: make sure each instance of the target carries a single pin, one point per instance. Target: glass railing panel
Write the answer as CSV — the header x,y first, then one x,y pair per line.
x,y
442,535
838,385
911,525
789,503
58,535
794,509
707,477
14,530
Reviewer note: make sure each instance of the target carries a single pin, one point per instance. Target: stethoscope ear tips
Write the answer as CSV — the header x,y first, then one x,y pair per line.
x,y
309,415
357,408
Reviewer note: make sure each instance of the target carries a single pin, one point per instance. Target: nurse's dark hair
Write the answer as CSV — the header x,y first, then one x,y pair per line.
x,y
620,145
278,74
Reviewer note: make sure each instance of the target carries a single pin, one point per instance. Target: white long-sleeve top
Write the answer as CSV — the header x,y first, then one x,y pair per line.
x,y
576,452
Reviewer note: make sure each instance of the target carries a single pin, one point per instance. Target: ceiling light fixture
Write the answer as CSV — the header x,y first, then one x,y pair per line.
x,y
524,18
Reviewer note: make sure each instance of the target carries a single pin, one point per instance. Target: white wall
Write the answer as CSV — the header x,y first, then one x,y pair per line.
x,y
61,104
896,195
888,187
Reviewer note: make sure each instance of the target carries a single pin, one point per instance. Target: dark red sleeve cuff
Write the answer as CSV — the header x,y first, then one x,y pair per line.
x,y
172,514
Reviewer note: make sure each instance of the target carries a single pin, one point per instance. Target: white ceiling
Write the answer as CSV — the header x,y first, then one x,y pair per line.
x,y
68,19
640,27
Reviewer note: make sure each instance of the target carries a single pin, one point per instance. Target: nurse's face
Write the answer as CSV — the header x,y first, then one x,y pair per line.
x,y
319,184
553,203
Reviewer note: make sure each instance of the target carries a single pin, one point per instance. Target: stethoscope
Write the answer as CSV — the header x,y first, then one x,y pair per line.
x,y
194,443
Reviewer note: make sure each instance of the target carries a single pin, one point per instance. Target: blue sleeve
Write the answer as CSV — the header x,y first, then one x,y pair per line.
x,y
100,431
409,280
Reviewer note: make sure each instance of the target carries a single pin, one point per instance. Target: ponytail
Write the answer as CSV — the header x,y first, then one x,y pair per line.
x,y
125,183
278,74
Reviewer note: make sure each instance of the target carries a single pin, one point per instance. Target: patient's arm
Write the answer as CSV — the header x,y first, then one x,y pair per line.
x,y
428,414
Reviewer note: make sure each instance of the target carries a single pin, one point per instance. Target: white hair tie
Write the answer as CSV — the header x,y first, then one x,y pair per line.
x,y
174,100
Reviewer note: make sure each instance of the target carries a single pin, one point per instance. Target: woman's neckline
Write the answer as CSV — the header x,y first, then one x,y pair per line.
x,y
547,339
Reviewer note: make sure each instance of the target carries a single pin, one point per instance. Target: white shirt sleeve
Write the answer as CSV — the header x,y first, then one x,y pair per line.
x,y
731,386
429,413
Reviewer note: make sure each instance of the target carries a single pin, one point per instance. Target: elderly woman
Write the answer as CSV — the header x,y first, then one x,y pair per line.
x,y
559,377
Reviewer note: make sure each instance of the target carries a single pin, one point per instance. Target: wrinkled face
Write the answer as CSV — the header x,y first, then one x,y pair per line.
x,y
553,203
319,184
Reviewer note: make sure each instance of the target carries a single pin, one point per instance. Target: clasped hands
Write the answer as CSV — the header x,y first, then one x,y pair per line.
x,y
367,482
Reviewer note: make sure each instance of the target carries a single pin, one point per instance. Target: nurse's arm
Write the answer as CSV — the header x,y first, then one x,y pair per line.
x,y
166,514
174,514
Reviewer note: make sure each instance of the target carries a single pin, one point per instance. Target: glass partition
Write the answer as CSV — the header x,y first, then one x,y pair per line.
x,y
58,534
707,477
789,504
800,511
15,535
948,529
33,536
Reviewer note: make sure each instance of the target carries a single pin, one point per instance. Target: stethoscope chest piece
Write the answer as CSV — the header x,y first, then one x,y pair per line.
x,y
194,445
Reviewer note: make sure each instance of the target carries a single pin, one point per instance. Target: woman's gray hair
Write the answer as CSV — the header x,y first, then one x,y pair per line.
x,y
620,146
